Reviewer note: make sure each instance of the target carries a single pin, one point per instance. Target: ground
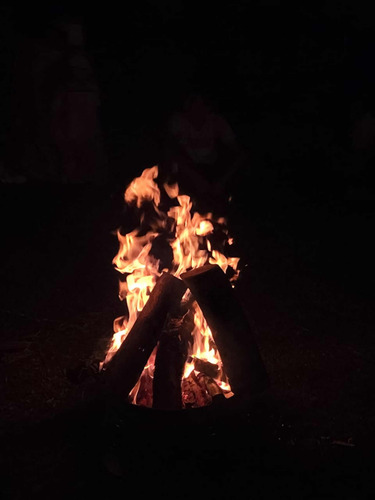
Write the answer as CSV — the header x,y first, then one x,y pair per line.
x,y
307,291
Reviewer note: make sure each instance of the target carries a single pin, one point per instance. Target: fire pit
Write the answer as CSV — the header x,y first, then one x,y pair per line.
x,y
185,342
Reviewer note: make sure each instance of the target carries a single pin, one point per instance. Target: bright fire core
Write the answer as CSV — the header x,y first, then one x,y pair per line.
x,y
190,243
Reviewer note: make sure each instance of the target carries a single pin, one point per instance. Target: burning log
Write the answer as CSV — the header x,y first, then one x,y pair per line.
x,y
200,390
195,394
204,366
127,364
143,390
169,366
214,392
230,329
170,360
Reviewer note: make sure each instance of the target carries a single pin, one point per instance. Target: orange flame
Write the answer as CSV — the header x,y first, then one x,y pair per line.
x,y
191,249
144,188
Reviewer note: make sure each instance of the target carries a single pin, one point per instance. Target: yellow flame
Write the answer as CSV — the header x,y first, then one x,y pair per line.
x,y
144,188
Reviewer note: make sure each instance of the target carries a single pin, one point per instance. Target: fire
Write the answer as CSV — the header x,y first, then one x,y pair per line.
x,y
189,240
144,188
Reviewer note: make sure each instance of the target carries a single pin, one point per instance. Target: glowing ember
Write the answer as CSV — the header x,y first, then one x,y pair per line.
x,y
189,240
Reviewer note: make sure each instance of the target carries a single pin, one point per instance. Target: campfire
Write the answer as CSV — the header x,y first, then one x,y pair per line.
x,y
184,340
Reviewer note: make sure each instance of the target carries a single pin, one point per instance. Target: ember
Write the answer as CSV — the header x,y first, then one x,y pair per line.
x,y
163,353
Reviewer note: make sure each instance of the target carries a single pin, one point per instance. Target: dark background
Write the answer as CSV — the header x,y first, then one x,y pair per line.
x,y
302,216
287,80
284,77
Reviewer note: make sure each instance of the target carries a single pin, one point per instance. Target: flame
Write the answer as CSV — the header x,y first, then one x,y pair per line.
x,y
191,249
172,190
144,188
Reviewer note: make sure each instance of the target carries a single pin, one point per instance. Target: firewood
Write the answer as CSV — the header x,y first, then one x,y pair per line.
x,y
194,395
204,366
209,385
145,392
127,364
170,361
230,329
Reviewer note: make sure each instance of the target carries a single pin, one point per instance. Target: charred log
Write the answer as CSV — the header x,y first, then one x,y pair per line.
x,y
127,364
230,328
208,384
195,394
204,366
170,360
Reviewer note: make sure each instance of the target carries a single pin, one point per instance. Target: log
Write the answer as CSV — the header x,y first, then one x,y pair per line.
x,y
194,395
230,329
144,393
204,366
209,385
126,366
170,360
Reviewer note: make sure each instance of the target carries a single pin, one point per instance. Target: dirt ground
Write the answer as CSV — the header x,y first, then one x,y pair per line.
x,y
307,287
